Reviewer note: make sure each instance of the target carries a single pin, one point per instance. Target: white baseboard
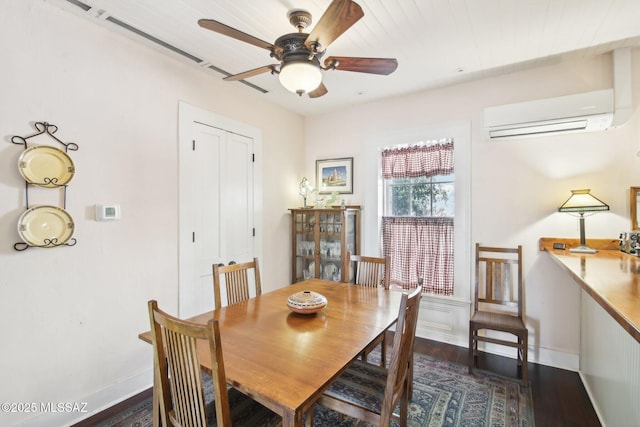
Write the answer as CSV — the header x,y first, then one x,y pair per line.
x,y
446,319
554,358
539,355
94,403
594,402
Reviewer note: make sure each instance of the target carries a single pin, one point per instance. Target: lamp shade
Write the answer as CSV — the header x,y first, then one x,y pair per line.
x,y
300,77
305,190
583,201
305,187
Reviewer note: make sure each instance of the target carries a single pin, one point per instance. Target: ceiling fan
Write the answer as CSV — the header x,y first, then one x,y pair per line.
x,y
299,53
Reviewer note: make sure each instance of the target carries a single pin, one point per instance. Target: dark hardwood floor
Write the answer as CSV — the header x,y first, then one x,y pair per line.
x,y
100,417
559,397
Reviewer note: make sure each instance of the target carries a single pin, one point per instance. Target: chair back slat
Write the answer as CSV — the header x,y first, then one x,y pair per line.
x,y
368,274
371,271
177,371
237,281
186,387
498,277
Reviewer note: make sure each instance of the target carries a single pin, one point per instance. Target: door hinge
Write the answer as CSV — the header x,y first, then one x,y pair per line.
x,y
193,237
254,232
193,145
253,157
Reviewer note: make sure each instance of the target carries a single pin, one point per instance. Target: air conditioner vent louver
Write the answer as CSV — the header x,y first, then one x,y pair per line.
x,y
583,112
538,129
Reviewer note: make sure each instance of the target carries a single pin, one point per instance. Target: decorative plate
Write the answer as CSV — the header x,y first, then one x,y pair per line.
x,y
46,166
45,226
306,302
329,270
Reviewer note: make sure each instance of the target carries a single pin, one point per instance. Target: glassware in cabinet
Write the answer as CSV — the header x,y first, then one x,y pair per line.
x,y
321,241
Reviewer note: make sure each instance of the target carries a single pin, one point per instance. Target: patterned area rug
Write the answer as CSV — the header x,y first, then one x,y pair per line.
x,y
444,394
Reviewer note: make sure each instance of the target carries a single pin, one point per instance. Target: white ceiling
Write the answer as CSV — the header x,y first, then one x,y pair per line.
x,y
436,42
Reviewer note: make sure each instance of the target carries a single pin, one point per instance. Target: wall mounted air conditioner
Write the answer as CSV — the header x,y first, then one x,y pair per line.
x,y
583,112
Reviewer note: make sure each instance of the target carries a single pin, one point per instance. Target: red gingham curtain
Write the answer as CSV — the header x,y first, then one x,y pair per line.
x,y
418,160
420,247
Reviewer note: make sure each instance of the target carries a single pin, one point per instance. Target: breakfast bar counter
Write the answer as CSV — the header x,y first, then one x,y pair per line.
x,y
610,277
609,325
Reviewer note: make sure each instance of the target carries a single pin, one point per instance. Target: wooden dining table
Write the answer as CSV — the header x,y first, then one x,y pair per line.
x,y
286,360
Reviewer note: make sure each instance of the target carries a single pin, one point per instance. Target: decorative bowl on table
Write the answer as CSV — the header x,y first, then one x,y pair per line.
x,y
306,302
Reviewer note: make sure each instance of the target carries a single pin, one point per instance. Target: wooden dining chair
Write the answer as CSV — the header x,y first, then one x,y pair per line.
x,y
498,303
371,393
372,272
179,384
236,279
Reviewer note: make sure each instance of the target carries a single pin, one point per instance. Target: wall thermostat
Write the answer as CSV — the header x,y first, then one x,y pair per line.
x,y
107,212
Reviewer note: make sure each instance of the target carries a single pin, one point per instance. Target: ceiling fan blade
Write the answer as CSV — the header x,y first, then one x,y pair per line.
x,y
251,73
339,16
221,28
319,91
384,66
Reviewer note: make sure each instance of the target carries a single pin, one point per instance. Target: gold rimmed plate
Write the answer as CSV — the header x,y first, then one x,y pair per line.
x,y
46,166
45,226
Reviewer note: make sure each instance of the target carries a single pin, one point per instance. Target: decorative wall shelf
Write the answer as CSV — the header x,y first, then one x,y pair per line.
x,y
47,167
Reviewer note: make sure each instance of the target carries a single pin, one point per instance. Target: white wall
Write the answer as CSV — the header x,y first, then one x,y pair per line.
x,y
70,316
516,186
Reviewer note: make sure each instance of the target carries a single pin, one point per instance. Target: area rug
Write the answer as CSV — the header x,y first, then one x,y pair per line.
x,y
444,394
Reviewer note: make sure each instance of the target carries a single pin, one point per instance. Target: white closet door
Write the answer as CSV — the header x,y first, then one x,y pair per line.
x,y
216,210
237,199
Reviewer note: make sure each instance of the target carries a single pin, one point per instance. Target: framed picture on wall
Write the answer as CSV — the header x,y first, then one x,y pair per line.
x,y
335,175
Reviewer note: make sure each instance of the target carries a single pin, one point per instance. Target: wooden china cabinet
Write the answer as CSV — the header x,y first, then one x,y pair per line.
x,y
321,240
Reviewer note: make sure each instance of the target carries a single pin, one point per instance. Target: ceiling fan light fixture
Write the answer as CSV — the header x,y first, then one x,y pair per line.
x,y
300,77
299,53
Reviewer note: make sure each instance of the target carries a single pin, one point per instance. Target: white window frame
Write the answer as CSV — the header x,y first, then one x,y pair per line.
x,y
460,132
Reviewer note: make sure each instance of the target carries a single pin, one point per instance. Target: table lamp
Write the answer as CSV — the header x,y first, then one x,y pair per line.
x,y
582,201
305,190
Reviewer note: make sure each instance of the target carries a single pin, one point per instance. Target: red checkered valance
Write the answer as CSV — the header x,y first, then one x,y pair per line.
x,y
420,247
418,160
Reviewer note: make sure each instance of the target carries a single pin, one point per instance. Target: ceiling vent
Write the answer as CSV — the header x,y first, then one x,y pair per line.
x,y
133,30
582,112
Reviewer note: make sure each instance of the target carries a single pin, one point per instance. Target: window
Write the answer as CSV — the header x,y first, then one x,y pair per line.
x,y
422,196
417,225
